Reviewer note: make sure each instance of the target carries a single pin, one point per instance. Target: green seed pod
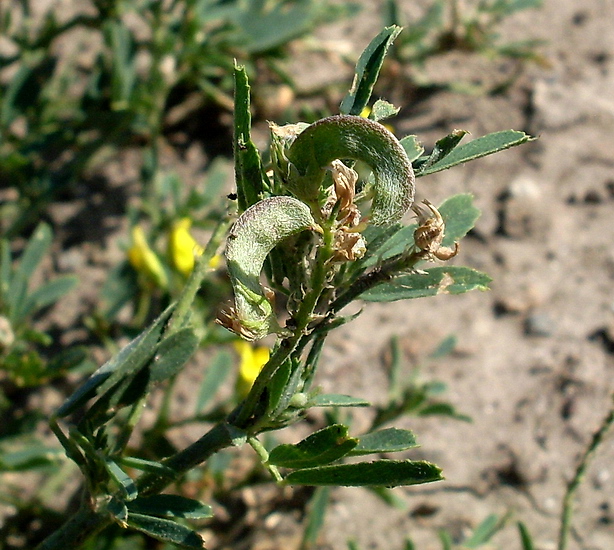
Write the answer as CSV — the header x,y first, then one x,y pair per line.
x,y
357,138
252,237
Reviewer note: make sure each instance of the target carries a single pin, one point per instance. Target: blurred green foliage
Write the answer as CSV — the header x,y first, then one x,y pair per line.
x,y
123,72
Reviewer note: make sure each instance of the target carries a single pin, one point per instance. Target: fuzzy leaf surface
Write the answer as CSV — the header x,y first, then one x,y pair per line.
x,y
380,473
321,447
390,440
433,281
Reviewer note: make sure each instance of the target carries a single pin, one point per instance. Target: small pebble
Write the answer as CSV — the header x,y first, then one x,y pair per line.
x,y
539,324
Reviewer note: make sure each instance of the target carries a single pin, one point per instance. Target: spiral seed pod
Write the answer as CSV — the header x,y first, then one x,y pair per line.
x,y
252,237
357,138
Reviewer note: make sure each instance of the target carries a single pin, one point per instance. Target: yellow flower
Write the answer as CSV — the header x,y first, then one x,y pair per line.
x,y
253,358
182,247
144,260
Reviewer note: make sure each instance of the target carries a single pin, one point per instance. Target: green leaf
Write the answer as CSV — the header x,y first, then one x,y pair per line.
x,y
118,509
122,479
126,363
248,165
485,531
170,506
442,409
172,354
166,530
458,213
150,466
367,71
119,289
382,110
37,247
321,447
525,537
5,269
446,539
445,347
480,147
389,440
288,22
316,512
32,457
443,147
380,473
139,355
216,373
337,400
48,294
282,387
412,147
433,281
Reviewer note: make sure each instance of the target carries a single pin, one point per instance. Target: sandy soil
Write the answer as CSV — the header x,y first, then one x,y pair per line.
x,y
534,364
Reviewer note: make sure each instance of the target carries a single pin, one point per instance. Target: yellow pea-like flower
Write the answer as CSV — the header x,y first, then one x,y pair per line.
x,y
253,358
144,260
182,247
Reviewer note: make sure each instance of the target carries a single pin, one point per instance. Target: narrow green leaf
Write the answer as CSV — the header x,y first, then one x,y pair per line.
x,y
433,281
37,247
128,360
381,473
172,354
283,386
445,347
139,354
166,530
216,373
442,409
120,288
48,294
480,147
316,512
367,71
32,457
149,466
525,537
118,510
321,447
389,440
170,506
124,481
389,496
337,400
446,539
443,147
485,531
5,269
248,165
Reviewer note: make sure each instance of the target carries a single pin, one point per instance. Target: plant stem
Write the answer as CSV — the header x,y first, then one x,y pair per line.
x,y
287,346
573,485
217,438
385,272
77,530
